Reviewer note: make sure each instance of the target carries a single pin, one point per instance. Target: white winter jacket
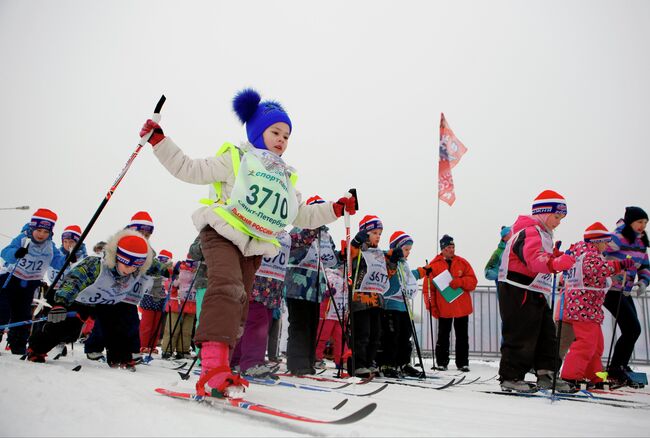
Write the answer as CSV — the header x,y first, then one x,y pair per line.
x,y
214,169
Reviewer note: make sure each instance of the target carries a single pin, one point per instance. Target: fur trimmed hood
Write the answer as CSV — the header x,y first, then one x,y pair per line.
x,y
110,250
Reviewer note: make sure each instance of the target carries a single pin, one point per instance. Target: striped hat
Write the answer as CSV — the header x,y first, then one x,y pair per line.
x,y
43,218
315,200
72,232
132,250
165,256
399,239
369,223
141,221
549,202
596,233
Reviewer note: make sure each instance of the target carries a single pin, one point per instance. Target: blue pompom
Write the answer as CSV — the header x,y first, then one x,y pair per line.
x,y
245,104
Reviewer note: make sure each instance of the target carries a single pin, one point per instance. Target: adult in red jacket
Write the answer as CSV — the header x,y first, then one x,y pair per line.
x,y
457,312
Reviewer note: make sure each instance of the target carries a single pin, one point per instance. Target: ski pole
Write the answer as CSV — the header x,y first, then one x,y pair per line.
x,y
558,339
107,197
186,375
412,326
431,292
556,248
32,321
25,244
604,375
180,311
348,265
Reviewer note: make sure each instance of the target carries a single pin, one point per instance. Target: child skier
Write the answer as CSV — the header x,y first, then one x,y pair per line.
x,y
151,307
256,199
525,276
98,287
312,250
371,271
183,297
332,316
395,357
583,307
27,259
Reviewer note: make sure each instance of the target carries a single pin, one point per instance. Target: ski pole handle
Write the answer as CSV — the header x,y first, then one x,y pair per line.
x,y
155,118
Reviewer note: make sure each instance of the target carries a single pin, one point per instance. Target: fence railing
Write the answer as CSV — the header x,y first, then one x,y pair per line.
x,y
485,327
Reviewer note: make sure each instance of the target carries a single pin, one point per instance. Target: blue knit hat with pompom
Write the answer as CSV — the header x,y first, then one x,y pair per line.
x,y
257,115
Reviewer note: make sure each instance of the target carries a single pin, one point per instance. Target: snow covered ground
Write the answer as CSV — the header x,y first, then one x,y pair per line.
x,y
52,400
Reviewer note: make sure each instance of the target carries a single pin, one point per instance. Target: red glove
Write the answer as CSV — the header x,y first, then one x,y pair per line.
x,y
625,264
158,134
561,263
456,283
347,204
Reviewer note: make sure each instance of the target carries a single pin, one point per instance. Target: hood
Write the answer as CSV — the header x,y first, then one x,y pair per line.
x,y
110,250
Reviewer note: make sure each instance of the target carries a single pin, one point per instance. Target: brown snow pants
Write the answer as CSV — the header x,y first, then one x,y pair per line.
x,y
230,282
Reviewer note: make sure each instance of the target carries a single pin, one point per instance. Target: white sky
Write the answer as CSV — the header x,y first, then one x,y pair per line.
x,y
544,94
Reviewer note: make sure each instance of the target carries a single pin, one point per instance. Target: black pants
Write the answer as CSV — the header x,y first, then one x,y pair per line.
x,y
303,327
367,336
116,325
272,345
16,306
628,321
395,347
529,337
462,341
96,341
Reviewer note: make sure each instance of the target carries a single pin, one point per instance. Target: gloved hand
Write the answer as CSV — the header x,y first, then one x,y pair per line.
x,y
625,264
456,283
21,252
73,258
642,287
425,271
57,314
359,239
345,204
158,134
562,263
396,255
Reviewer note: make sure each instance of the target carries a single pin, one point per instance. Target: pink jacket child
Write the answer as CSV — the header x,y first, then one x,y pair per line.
x,y
585,287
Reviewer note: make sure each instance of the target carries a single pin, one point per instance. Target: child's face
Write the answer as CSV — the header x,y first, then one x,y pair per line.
x,y
601,246
124,270
407,250
276,137
40,234
68,244
553,220
639,225
374,236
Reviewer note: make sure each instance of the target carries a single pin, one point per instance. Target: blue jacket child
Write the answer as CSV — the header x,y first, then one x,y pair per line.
x,y
27,259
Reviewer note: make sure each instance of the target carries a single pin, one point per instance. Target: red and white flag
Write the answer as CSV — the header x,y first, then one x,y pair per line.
x,y
451,151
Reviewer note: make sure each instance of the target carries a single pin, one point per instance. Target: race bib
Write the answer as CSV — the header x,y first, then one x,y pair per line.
x,y
276,267
318,250
335,280
376,278
574,277
35,262
141,288
108,289
263,198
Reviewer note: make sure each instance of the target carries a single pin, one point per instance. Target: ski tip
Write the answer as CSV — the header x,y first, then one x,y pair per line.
x,y
340,405
356,416
77,368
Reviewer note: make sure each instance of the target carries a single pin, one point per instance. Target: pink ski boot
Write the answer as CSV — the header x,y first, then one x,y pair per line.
x,y
216,372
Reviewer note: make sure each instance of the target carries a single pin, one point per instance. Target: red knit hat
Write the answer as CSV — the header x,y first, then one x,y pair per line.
x,y
165,253
596,233
399,239
315,200
132,250
370,222
141,221
72,232
549,202
43,218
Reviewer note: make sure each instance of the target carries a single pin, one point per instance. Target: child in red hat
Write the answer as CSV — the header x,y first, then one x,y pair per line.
x,y
27,259
584,295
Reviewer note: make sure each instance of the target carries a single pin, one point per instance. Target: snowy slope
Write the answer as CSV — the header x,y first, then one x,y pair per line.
x,y
52,400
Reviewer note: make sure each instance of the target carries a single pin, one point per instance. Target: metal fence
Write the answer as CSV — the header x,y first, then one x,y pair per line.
x,y
485,327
